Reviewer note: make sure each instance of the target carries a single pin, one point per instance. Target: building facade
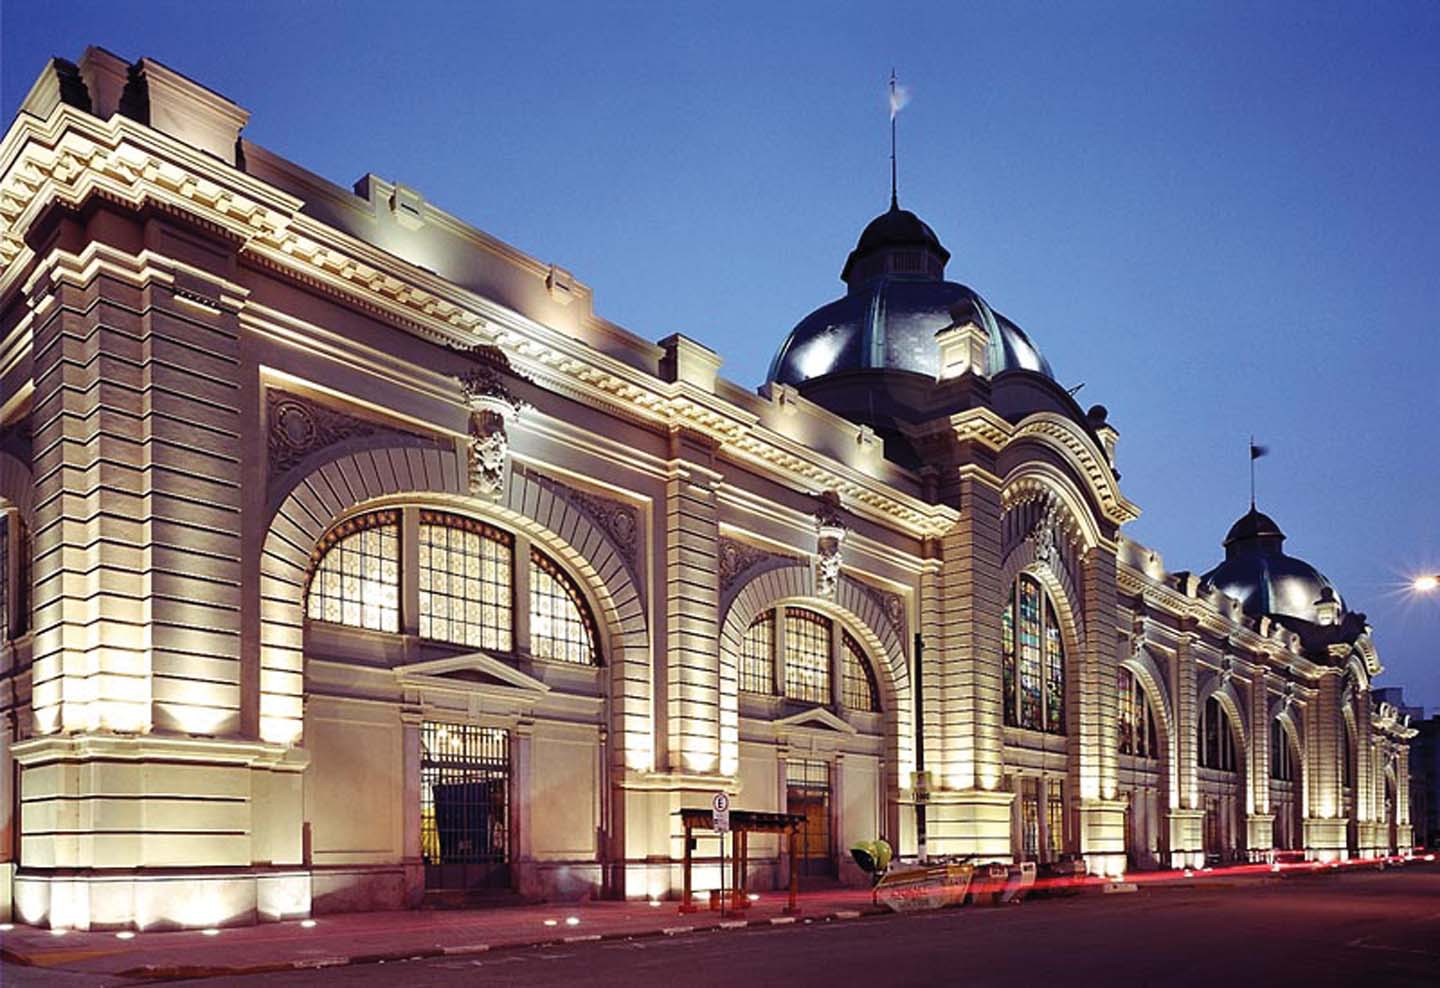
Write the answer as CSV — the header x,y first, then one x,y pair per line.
x,y
350,559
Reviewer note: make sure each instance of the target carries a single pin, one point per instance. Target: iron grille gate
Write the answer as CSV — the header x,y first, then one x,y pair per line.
x,y
464,806
807,792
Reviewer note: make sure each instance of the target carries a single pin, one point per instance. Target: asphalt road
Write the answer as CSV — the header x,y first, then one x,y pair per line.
x,y
1361,928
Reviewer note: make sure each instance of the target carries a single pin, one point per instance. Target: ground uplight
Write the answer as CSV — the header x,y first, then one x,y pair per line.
x,y
308,924
572,920
125,935
211,932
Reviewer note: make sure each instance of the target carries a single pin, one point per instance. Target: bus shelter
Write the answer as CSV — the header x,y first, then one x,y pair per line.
x,y
743,823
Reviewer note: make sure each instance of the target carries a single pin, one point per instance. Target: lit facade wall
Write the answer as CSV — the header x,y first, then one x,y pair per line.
x,y
210,359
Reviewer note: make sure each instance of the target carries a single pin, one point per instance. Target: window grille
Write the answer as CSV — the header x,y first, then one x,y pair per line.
x,y
561,626
807,656
464,794
465,582
1055,816
355,579
1137,735
1282,762
807,792
858,690
1216,738
757,655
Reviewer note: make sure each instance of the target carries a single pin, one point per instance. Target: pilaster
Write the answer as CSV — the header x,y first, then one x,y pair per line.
x,y
692,597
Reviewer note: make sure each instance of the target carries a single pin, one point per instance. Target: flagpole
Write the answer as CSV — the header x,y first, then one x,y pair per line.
x,y
1252,473
894,197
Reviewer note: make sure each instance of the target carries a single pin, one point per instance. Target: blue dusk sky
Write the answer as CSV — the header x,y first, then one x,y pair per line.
x,y
1222,218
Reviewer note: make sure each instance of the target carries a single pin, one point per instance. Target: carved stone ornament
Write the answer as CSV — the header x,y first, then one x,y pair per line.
x,y
617,519
492,405
299,427
829,537
1046,535
1287,698
1227,670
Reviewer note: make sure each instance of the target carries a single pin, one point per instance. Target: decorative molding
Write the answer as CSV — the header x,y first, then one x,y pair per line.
x,y
298,427
492,405
738,560
617,519
829,539
892,605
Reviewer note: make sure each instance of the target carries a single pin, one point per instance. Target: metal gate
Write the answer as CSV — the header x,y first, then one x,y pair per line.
x,y
807,792
464,806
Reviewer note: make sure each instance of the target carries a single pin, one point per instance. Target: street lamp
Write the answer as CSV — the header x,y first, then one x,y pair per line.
x,y
1428,583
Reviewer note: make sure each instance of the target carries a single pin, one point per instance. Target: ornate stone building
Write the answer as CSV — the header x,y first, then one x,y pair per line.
x,y
349,557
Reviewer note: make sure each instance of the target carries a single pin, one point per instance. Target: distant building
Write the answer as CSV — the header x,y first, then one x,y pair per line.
x,y
1425,782
350,558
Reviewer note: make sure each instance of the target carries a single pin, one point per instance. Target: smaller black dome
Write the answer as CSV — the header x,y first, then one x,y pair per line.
x,y
895,228
1253,525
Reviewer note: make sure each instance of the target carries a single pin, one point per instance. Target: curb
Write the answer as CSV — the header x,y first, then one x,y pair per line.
x,y
180,972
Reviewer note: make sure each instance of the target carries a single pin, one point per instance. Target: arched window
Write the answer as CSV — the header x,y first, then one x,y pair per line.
x,y
807,656
464,588
1033,664
858,690
757,655
1347,756
465,582
356,577
1137,718
1282,759
561,626
810,643
1216,738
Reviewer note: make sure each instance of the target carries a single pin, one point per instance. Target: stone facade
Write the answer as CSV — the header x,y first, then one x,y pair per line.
x,y
216,366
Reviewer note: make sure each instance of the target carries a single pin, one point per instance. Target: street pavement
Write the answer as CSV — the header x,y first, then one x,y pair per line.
x,y
1357,927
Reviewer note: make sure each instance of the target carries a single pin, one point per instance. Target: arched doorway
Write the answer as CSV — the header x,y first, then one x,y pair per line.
x,y
1286,786
1220,755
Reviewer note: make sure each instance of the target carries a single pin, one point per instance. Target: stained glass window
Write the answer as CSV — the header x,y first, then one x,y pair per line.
x,y
1216,738
757,655
356,577
1032,659
1137,718
858,679
1054,673
1030,635
465,582
560,623
1007,639
1282,762
807,656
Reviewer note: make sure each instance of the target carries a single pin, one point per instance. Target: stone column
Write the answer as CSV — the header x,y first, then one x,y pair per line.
x,y
410,850
1325,826
1092,723
969,811
692,601
1186,820
1259,820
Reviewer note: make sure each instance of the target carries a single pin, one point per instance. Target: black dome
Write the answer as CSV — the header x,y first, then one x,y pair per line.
x,y
897,301
895,228
1265,580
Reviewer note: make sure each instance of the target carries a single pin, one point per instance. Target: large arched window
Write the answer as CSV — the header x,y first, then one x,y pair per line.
x,y
1282,759
1137,718
561,627
465,583
1034,659
356,577
1216,738
464,588
811,649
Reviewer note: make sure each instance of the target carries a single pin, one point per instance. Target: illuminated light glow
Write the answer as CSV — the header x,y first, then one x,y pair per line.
x,y
58,931
125,935
1426,584
6,927
753,897
572,920
308,924
552,922
210,932
654,903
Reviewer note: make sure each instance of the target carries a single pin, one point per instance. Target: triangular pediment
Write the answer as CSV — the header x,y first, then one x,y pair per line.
x,y
476,670
816,718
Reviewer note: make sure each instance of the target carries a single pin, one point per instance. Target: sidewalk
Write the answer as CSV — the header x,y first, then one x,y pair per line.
x,y
359,938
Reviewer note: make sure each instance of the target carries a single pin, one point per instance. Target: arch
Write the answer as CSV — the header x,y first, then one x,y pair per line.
x,y
1142,666
359,477
854,605
1037,475
1058,580
1056,432
17,486
1225,692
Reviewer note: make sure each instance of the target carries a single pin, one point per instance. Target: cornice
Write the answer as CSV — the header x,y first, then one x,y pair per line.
x,y
71,156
